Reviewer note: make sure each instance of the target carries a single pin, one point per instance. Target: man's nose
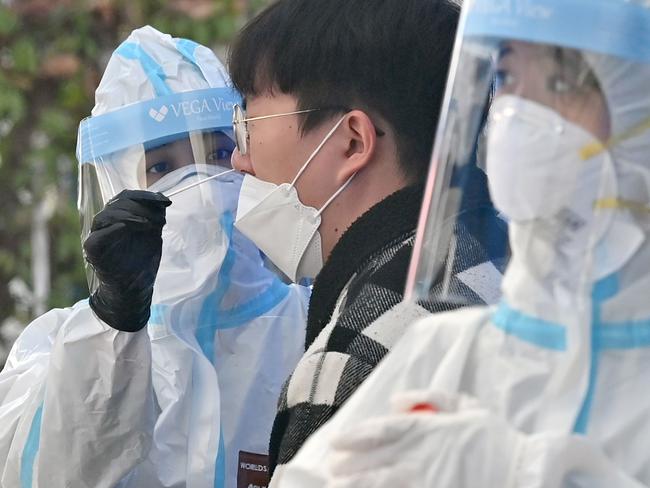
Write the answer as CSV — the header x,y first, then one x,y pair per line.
x,y
242,163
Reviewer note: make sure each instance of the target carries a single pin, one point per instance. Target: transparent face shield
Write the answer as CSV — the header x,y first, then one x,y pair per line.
x,y
533,110
459,226
170,145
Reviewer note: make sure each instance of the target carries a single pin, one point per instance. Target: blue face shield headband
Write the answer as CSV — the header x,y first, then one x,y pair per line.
x,y
155,119
620,28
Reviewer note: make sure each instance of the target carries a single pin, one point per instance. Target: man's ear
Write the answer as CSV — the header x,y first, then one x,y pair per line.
x,y
360,143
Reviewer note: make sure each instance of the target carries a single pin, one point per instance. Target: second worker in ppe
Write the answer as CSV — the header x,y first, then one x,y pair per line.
x,y
548,388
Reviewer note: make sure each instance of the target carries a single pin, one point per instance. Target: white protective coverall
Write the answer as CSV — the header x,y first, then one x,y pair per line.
x,y
188,401
549,388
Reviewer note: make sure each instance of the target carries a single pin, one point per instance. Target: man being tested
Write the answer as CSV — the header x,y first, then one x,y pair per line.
x,y
341,102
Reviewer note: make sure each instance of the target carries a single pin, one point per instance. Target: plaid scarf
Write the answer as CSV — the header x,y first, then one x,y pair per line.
x,y
353,321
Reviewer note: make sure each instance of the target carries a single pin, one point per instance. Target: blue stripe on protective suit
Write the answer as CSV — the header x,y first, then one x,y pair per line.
x,y
30,450
158,314
624,335
212,317
608,335
604,289
220,464
154,72
604,336
541,333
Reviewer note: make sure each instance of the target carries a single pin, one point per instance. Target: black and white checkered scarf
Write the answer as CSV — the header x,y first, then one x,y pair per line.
x,y
351,322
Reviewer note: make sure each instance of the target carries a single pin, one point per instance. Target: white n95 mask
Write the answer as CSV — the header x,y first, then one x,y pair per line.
x,y
541,182
534,165
280,225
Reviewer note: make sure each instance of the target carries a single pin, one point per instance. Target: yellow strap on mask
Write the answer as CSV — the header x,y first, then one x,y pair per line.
x,y
595,148
618,204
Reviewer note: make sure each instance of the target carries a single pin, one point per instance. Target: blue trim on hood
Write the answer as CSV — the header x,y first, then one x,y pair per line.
x,y
155,73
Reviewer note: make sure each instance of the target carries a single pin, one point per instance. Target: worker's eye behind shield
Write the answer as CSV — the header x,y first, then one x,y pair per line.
x,y
207,148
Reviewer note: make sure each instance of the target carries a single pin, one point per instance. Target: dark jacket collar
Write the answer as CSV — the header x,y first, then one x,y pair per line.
x,y
392,218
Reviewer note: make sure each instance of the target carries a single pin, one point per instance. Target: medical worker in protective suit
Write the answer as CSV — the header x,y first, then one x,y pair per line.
x,y
549,388
172,385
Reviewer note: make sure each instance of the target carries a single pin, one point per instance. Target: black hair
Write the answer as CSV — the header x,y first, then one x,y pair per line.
x,y
386,57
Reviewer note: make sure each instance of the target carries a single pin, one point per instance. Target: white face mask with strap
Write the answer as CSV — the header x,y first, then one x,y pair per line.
x,y
280,225
543,179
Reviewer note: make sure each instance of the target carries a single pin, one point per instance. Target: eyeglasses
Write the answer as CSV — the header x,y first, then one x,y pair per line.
x,y
240,124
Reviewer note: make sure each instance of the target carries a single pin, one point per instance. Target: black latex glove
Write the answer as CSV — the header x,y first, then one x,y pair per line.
x,y
124,248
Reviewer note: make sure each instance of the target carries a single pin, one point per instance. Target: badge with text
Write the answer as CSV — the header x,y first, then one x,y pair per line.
x,y
253,470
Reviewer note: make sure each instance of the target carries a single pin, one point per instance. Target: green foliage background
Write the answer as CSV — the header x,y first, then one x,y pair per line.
x,y
52,55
